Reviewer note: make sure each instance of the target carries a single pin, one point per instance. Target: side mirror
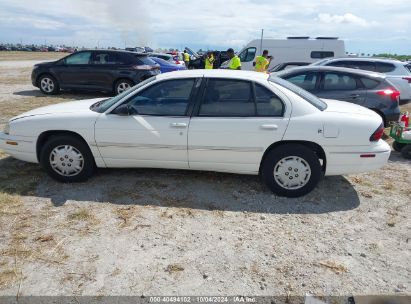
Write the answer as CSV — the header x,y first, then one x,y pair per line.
x,y
122,110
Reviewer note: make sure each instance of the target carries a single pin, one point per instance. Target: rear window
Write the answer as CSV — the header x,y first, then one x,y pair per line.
x,y
321,54
144,60
408,67
369,83
383,67
315,101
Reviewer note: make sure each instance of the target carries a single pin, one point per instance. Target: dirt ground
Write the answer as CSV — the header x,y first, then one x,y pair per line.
x,y
165,232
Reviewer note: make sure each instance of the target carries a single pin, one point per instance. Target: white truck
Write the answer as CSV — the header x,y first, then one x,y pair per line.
x,y
292,49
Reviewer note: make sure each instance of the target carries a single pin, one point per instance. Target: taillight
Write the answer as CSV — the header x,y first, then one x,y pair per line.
x,y
377,135
177,62
146,67
394,94
407,79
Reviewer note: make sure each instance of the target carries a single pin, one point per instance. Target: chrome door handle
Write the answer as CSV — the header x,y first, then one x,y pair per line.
x,y
354,96
269,127
178,125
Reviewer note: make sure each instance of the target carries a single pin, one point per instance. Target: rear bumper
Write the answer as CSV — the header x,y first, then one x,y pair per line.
x,y
19,147
350,160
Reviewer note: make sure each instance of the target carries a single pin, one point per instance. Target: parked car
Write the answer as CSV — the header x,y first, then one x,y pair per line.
x,y
168,57
199,62
166,66
398,72
286,65
97,70
214,120
368,89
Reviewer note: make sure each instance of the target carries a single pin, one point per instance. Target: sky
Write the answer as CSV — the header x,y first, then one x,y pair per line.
x,y
368,26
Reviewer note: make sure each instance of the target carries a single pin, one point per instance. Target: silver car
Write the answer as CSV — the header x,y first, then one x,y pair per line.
x,y
397,72
372,90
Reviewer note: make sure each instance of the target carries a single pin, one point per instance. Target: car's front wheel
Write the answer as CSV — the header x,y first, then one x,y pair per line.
x,y
291,170
67,159
49,85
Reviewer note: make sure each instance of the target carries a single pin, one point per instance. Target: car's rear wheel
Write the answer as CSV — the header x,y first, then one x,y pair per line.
x,y
291,170
122,85
67,159
49,85
406,151
397,146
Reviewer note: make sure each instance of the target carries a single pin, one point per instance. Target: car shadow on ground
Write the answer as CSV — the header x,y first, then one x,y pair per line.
x,y
69,94
177,189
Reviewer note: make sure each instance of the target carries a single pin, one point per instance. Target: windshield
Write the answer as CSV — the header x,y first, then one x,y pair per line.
x,y
104,105
315,101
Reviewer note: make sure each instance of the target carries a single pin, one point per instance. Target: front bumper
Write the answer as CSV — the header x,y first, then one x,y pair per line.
x,y
357,159
19,147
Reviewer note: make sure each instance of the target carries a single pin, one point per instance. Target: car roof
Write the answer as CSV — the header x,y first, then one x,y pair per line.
x,y
114,51
161,54
217,73
385,60
332,69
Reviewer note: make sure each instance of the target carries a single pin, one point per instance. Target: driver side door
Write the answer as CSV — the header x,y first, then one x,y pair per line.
x,y
154,134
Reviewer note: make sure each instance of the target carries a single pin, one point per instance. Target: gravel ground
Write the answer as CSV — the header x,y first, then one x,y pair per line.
x,y
169,232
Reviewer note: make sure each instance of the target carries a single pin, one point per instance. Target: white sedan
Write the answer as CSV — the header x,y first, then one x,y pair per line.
x,y
214,120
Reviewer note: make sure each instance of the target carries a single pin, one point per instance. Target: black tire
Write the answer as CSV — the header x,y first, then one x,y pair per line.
x,y
48,84
398,146
87,164
121,85
406,151
286,153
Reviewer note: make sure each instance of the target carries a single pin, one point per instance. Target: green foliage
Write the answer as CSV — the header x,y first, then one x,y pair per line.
x,y
394,56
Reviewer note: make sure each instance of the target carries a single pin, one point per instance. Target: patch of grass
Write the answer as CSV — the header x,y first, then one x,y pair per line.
x,y
82,214
388,186
9,204
173,268
7,278
337,268
126,214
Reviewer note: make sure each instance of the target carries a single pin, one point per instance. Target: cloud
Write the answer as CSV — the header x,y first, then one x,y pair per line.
x,y
347,18
199,23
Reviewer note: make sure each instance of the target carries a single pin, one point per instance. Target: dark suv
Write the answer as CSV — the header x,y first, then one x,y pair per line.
x,y
369,89
97,70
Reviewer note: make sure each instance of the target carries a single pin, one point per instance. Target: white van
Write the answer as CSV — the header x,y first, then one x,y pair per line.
x,y
292,49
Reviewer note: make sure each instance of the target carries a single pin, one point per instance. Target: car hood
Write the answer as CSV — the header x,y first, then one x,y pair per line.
x,y
79,106
346,107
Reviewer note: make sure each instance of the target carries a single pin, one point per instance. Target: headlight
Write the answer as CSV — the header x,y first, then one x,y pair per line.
x,y
7,128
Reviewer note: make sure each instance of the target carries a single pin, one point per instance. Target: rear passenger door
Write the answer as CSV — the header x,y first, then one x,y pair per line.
x,y
233,123
105,66
342,86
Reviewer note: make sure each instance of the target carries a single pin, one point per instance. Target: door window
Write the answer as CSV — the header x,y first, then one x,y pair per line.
x,y
79,58
268,104
235,98
248,55
321,54
362,65
107,58
166,98
227,98
337,81
383,67
307,81
369,83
